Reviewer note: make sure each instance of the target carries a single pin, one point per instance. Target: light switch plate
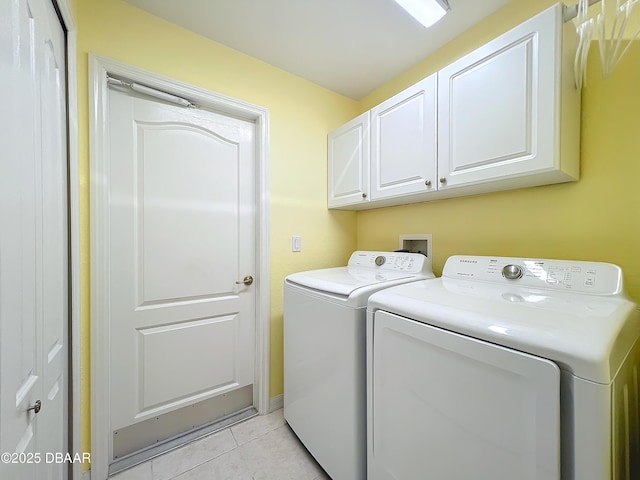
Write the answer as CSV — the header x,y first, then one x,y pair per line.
x,y
296,243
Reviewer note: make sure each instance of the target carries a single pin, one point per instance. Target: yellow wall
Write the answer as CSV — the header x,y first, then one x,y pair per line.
x,y
597,218
301,114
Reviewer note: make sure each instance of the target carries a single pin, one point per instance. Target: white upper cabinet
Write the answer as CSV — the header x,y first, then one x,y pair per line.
x,y
348,168
403,142
504,116
500,110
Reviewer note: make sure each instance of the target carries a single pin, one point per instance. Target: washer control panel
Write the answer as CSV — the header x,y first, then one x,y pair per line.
x,y
394,261
594,278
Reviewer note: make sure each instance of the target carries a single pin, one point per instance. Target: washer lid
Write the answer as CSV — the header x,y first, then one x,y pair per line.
x,y
584,334
365,269
345,280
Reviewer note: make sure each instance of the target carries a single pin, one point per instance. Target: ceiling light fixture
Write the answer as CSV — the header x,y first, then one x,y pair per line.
x,y
427,12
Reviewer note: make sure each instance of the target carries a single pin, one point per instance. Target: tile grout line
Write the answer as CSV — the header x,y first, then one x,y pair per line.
x,y
236,447
208,459
261,434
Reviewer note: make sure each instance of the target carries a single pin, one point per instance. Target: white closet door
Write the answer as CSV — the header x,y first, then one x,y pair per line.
x,y
446,406
33,241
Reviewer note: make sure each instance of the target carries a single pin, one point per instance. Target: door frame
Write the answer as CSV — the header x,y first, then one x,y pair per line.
x,y
73,329
99,68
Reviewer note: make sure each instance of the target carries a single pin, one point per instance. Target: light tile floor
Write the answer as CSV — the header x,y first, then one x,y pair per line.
x,y
261,448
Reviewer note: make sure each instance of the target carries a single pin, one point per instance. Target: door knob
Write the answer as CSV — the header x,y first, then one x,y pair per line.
x,y
36,407
248,280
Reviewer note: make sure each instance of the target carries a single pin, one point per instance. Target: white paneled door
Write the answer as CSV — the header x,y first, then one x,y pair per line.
x,y
33,241
182,206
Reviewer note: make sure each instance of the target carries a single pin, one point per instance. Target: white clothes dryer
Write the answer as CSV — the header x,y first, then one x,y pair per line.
x,y
503,369
324,353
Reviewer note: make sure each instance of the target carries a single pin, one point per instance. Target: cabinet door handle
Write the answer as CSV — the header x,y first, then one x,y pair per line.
x,y
364,195
443,180
428,183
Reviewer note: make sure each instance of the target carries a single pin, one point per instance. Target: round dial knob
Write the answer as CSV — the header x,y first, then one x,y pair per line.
x,y
380,260
512,272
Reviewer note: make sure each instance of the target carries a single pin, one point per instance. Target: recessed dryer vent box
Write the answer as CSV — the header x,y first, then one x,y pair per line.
x,y
416,243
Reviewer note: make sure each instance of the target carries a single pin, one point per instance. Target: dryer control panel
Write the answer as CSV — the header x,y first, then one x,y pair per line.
x,y
394,261
594,278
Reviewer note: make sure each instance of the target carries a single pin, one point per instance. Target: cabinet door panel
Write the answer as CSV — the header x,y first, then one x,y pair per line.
x,y
348,168
403,142
507,80
497,107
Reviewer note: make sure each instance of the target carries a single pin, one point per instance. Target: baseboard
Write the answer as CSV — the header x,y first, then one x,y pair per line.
x,y
276,403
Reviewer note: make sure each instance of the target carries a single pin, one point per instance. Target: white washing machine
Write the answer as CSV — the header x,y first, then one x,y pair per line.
x,y
324,354
505,369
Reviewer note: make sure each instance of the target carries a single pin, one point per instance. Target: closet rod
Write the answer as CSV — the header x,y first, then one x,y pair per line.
x,y
572,12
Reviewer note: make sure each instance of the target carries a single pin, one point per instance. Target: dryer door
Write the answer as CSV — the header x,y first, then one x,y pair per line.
x,y
443,405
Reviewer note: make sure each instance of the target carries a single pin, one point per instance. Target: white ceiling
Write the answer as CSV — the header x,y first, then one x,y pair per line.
x,y
349,46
